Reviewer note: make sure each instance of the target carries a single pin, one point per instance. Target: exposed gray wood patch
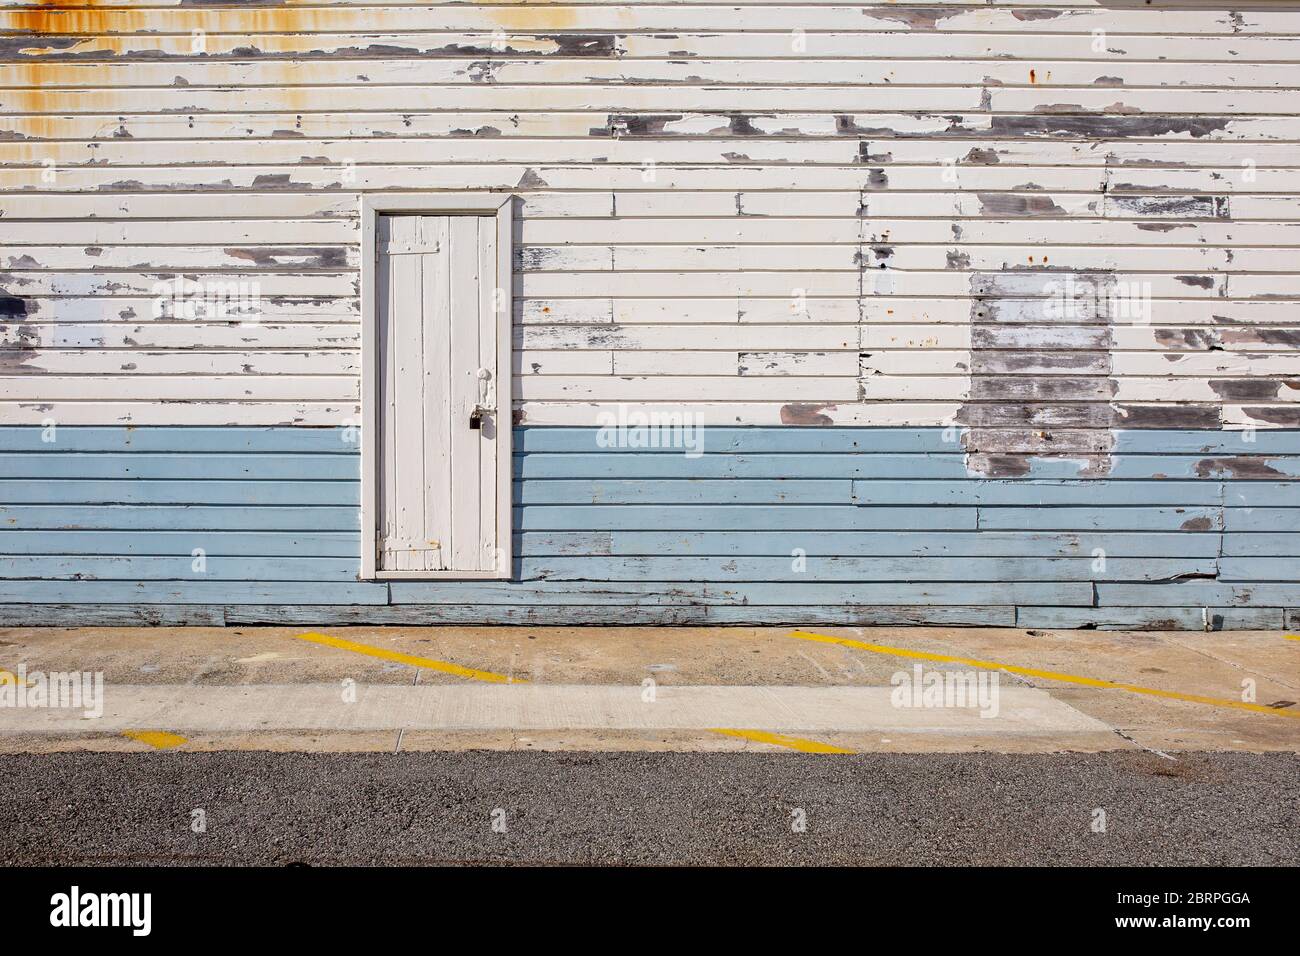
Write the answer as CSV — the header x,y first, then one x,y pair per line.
x,y
1014,366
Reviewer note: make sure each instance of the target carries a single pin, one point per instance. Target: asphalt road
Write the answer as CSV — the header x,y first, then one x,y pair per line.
x,y
650,808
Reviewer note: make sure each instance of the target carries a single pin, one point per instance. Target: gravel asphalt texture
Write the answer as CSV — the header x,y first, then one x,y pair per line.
x,y
650,808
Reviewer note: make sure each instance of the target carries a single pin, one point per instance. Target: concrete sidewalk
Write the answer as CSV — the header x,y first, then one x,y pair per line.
x,y
614,689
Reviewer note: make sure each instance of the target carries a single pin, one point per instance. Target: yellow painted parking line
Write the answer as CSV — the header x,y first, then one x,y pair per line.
x,y
426,662
781,740
1046,675
9,677
158,739
1292,637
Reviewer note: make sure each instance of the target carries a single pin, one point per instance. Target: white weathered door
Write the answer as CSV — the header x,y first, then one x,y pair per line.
x,y
439,481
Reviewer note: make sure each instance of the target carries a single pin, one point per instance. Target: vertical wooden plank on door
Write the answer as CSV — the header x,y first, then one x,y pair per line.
x,y
466,442
503,447
408,399
486,271
435,441
384,422
394,234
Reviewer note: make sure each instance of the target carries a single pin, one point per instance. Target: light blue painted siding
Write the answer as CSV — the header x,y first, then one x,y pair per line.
x,y
175,524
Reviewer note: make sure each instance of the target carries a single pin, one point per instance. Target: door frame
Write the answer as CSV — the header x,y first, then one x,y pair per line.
x,y
373,205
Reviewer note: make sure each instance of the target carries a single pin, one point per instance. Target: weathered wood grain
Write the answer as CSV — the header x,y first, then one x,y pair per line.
x,y
1189,528
815,215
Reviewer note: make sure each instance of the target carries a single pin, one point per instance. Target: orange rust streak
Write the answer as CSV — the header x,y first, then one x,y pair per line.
x,y
40,128
50,17
55,18
59,17
536,16
100,23
37,77
39,100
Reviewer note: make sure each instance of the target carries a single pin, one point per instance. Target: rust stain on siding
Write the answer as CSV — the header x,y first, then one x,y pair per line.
x,y
533,16
47,17
91,18
53,20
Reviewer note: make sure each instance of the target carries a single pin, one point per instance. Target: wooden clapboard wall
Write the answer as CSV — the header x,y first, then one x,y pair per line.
x,y
779,214
991,308
769,525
